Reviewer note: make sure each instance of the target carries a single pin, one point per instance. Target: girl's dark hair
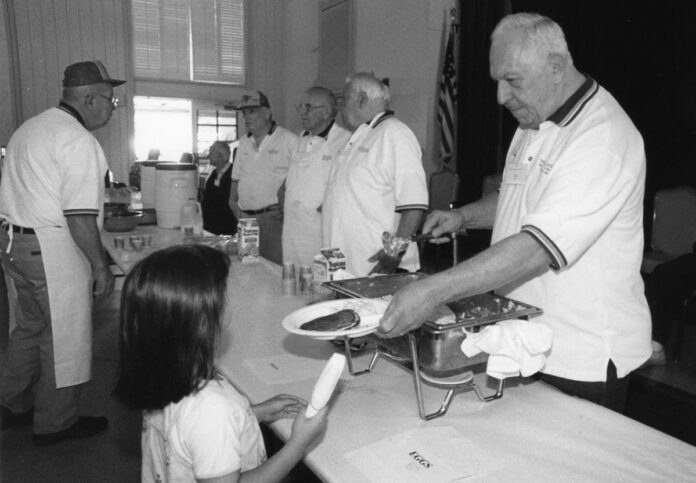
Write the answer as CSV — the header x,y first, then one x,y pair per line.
x,y
171,306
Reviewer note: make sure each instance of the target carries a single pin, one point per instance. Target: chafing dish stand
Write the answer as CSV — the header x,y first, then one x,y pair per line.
x,y
465,381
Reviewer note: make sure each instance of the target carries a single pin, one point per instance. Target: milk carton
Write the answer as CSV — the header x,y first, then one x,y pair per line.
x,y
248,239
326,263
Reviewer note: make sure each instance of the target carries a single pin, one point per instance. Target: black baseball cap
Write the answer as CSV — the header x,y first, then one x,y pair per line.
x,y
88,73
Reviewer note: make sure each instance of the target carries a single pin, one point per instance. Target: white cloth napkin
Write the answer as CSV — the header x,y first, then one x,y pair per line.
x,y
515,347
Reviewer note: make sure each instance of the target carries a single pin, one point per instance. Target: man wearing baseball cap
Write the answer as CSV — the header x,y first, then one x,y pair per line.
x,y
259,170
51,206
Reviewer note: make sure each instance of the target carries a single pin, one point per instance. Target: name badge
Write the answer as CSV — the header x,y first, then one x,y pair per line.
x,y
515,174
273,151
326,157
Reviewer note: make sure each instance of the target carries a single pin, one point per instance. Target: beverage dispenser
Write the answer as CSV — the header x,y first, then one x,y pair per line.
x,y
175,184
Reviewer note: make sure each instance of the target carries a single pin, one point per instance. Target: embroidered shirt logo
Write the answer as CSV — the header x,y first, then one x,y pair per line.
x,y
545,166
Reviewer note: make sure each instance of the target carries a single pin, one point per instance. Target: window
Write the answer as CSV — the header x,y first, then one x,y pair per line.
x,y
164,124
189,40
215,125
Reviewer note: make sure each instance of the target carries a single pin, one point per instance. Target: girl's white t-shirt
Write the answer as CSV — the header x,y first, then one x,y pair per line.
x,y
210,433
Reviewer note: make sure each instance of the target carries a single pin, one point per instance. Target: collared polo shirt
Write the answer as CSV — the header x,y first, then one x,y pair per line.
x,y
378,173
261,169
576,185
54,167
311,165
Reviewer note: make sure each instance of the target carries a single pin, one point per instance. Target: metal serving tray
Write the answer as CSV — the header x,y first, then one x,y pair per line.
x,y
438,340
432,353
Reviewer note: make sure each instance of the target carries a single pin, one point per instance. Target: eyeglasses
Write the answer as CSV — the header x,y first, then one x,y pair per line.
x,y
115,101
302,108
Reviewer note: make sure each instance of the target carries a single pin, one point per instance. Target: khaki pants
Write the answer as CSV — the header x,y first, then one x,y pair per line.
x,y
28,374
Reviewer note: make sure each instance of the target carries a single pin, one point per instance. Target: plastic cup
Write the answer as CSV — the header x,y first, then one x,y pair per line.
x,y
288,282
288,270
147,240
120,242
306,284
136,242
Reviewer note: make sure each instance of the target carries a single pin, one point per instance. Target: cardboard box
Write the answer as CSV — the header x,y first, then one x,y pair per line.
x,y
327,262
248,239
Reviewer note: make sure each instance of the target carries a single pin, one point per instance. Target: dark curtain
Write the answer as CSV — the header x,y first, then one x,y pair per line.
x,y
484,131
639,50
642,52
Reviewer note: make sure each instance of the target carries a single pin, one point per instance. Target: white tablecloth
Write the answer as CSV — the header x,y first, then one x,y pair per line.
x,y
533,433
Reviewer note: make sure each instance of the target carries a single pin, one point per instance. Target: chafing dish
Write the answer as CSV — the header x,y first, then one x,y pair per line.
x,y
432,352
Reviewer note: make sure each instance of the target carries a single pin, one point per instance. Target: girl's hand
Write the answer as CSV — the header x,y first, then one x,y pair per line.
x,y
278,407
306,430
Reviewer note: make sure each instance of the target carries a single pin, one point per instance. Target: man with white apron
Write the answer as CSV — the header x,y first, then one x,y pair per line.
x,y
51,206
310,167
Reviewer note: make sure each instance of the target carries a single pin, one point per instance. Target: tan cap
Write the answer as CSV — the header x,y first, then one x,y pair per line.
x,y
252,99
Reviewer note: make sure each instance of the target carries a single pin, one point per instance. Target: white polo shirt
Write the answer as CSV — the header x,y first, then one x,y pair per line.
x,y
54,167
261,169
310,168
378,174
576,185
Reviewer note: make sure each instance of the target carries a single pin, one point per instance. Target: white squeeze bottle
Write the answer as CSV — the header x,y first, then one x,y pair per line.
x,y
325,385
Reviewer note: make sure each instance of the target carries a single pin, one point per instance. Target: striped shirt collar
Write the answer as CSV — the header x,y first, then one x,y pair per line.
x,y
575,103
324,134
72,111
377,120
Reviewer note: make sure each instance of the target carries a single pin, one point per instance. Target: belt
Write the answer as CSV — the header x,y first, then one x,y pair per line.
x,y
23,231
262,210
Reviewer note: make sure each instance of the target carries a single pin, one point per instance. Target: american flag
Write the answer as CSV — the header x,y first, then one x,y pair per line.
x,y
445,107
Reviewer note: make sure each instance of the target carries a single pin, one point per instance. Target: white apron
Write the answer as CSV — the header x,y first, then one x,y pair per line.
x,y
302,223
69,280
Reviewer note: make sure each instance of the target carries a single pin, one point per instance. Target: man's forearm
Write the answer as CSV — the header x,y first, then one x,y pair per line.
x,y
481,213
513,259
409,223
85,233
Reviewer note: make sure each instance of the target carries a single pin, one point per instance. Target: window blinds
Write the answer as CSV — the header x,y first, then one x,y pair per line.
x,y
190,40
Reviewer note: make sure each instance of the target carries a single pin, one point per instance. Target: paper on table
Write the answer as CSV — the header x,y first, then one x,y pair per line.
x,y
428,455
284,368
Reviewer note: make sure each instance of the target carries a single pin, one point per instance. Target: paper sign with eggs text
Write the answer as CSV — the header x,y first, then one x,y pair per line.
x,y
427,455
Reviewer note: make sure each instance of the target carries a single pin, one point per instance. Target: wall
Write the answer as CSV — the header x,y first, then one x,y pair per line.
x,y
51,34
402,40
7,117
283,53
283,59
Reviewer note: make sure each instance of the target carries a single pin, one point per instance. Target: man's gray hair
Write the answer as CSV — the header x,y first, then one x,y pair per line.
x,y
374,89
327,95
220,146
541,34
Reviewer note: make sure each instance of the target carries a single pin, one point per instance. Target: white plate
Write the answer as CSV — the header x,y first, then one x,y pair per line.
x,y
369,310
